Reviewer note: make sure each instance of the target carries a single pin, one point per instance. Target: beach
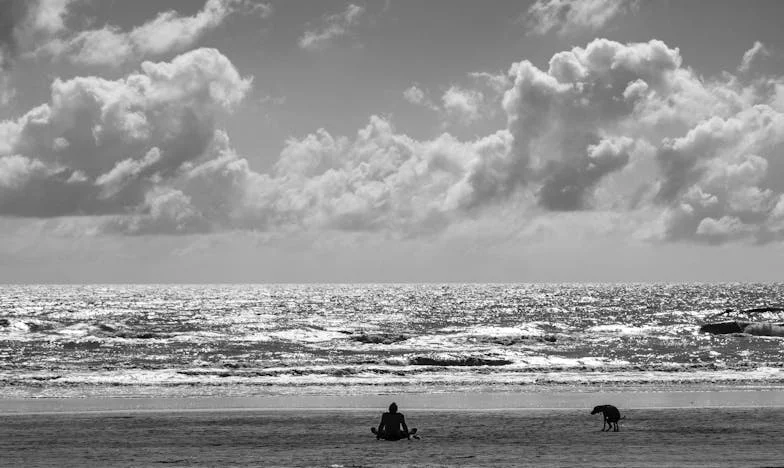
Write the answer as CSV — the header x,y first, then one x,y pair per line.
x,y
296,375
694,429
258,232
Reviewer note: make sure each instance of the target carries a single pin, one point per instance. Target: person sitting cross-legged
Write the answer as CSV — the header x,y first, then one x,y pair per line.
x,y
393,426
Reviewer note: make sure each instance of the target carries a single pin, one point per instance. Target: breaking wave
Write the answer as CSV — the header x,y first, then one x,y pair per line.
x,y
99,338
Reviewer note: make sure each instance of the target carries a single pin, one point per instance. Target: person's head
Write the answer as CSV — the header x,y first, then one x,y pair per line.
x,y
393,407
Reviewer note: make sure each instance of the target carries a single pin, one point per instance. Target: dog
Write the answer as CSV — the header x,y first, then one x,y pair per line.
x,y
611,416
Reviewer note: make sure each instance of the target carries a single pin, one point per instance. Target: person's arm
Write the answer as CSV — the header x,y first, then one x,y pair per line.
x,y
403,423
380,427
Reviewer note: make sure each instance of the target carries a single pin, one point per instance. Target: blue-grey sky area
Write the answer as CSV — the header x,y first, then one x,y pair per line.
x,y
399,140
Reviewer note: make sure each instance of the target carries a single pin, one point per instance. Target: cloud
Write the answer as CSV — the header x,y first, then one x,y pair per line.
x,y
171,32
567,184
497,82
166,210
12,15
627,127
462,104
18,20
415,95
569,122
332,27
722,179
24,22
458,105
622,137
567,17
378,181
49,16
99,145
260,9
166,33
141,155
757,51
7,93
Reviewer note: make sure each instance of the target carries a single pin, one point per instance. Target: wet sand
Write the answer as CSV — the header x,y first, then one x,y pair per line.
x,y
688,436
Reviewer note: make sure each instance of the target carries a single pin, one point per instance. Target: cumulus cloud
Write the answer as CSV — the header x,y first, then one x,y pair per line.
x,y
165,210
99,145
497,82
166,33
458,104
565,188
624,133
615,128
568,121
462,104
722,180
141,155
332,27
20,19
417,96
571,16
379,180
12,15
628,127
48,16
23,23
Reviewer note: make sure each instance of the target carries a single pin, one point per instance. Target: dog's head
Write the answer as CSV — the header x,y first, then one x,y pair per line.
x,y
597,409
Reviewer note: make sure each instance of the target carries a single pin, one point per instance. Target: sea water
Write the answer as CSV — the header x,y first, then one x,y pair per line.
x,y
249,340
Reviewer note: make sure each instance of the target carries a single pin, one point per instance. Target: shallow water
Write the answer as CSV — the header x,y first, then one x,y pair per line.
x,y
277,339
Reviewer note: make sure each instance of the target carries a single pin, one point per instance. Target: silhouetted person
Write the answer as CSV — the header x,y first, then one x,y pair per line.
x,y
611,416
392,426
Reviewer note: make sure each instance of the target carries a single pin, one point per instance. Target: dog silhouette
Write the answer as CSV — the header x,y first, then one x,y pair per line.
x,y
611,416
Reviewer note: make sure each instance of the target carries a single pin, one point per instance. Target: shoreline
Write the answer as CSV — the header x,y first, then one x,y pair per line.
x,y
667,398
652,437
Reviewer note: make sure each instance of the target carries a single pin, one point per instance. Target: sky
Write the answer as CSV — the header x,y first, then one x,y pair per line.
x,y
194,141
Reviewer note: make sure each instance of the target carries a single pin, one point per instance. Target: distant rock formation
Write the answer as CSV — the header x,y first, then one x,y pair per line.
x,y
723,328
765,329
457,360
380,338
751,328
759,321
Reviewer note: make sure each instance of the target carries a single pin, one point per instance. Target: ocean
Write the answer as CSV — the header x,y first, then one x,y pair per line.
x,y
339,339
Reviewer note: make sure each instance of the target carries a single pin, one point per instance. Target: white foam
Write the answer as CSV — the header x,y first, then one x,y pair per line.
x,y
660,331
224,323
254,337
473,338
562,362
307,335
329,378
619,329
77,330
528,329
199,336
18,330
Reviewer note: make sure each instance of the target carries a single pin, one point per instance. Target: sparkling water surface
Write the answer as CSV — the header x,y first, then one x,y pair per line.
x,y
128,340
